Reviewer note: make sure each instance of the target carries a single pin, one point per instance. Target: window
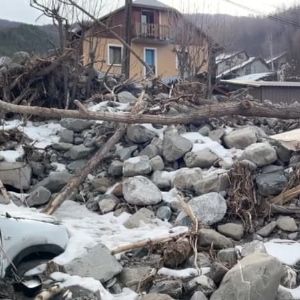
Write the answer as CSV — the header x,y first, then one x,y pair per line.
x,y
115,55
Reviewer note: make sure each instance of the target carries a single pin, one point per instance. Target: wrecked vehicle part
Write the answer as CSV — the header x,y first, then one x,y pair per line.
x,y
31,234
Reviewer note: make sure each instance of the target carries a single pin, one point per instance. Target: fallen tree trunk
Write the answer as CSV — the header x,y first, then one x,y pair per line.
x,y
244,108
81,175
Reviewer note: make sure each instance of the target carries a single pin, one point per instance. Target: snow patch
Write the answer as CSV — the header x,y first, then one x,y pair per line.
x,y
286,251
12,155
183,274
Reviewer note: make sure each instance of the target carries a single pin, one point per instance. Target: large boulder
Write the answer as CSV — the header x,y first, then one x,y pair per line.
x,y
271,183
256,277
241,138
233,230
97,263
55,181
215,182
16,174
76,125
21,57
185,178
139,134
262,154
175,146
139,190
208,209
139,165
203,159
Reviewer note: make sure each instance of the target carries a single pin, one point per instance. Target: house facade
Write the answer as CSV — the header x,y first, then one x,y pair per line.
x,y
158,35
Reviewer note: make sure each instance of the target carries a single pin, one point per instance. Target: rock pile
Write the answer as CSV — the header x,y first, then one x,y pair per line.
x,y
145,176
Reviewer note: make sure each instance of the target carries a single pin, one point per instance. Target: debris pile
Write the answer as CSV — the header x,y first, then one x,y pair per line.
x,y
206,210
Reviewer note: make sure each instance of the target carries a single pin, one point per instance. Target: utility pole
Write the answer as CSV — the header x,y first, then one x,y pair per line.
x,y
271,51
128,33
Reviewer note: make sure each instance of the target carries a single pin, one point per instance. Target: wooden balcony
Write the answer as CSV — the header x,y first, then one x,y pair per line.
x,y
151,33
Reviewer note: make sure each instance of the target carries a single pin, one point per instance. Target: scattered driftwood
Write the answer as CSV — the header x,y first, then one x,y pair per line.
x,y
81,175
148,242
243,108
286,196
49,294
279,209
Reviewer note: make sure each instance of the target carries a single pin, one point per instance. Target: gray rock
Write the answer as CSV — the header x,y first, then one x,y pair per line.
x,y
5,61
289,277
287,223
267,229
76,125
210,237
101,184
125,153
62,146
139,134
131,277
227,257
209,208
142,215
158,142
261,154
150,151
185,178
116,168
55,181
21,57
203,260
16,174
253,247
79,152
216,182
271,184
175,146
139,165
66,136
241,138
107,203
203,159
160,179
233,230
173,288
205,130
201,283
140,190
39,196
76,165
157,163
216,135
155,297
126,97
164,213
217,272
199,296
249,164
38,169
260,279
97,263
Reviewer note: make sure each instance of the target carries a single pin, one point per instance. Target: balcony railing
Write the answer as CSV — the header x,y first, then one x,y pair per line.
x,y
152,31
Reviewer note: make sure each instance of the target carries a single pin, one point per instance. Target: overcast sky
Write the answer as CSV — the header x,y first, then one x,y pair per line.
x,y
20,10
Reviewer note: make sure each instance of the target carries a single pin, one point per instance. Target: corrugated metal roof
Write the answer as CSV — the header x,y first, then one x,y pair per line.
x,y
151,3
254,76
263,83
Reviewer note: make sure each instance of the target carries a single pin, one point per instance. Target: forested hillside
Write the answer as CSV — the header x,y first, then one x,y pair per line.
x,y
17,36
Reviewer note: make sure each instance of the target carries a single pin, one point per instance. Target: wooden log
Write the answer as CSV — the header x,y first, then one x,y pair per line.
x,y
286,196
244,108
81,175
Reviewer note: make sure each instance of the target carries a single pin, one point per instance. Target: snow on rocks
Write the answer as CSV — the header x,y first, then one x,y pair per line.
x,y
141,191
209,208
